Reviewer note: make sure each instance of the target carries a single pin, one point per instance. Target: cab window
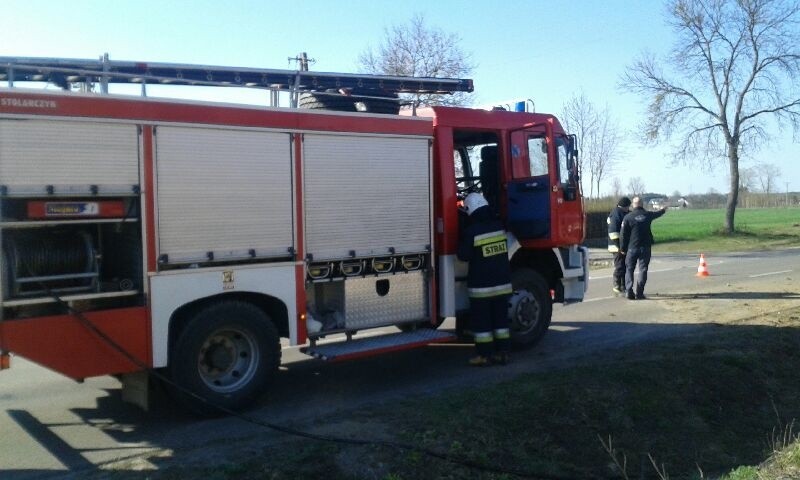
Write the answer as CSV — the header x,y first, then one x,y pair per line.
x,y
477,166
537,155
529,157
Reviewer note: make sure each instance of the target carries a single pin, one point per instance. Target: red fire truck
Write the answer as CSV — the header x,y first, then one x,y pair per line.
x,y
194,236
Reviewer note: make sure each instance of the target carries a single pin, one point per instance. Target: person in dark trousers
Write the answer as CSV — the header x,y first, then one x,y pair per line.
x,y
636,241
614,221
483,244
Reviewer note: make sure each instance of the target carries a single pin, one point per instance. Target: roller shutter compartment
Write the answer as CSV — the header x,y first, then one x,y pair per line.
x,y
223,194
71,157
366,195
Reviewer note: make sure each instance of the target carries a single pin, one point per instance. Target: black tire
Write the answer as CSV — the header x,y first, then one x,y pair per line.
x,y
530,307
377,101
335,101
385,103
226,354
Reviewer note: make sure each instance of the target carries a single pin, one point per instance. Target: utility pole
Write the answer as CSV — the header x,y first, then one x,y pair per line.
x,y
787,194
302,61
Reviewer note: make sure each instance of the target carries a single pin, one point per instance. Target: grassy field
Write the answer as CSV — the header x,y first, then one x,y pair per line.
x,y
701,230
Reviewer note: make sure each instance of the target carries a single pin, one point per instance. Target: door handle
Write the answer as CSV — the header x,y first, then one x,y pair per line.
x,y
532,186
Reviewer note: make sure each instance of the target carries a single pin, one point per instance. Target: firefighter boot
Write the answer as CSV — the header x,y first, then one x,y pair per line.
x,y
500,358
619,286
480,361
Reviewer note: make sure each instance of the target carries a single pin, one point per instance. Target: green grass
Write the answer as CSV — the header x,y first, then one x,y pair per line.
x,y
702,230
711,403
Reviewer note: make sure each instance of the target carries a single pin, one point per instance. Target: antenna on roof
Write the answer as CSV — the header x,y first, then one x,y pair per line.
x,y
302,60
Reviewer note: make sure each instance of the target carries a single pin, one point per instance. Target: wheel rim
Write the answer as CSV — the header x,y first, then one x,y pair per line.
x,y
228,359
523,311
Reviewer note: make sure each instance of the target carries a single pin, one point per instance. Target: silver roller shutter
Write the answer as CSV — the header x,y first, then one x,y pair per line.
x,y
366,194
70,156
228,192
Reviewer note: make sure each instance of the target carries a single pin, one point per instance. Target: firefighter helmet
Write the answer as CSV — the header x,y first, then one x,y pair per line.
x,y
473,202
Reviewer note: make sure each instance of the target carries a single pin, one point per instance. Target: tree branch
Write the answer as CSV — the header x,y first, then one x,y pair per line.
x,y
783,108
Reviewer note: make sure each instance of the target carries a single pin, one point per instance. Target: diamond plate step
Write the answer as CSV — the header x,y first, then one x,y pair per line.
x,y
363,347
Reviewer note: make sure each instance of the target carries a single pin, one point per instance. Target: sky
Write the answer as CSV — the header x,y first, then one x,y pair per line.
x,y
523,49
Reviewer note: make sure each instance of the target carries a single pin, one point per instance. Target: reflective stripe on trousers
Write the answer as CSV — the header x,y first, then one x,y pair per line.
x,y
502,333
484,337
495,291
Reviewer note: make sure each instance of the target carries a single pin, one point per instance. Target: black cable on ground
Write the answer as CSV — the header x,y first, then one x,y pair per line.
x,y
299,433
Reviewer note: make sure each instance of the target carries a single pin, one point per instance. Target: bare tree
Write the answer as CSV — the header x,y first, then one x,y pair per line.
x,y
735,67
417,50
599,139
606,142
636,185
579,117
616,187
767,175
747,179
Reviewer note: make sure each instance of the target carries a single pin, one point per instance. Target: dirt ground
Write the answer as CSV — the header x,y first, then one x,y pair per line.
x,y
737,304
726,303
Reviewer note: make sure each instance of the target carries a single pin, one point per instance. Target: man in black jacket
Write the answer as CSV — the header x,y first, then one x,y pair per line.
x,y
614,221
483,244
636,241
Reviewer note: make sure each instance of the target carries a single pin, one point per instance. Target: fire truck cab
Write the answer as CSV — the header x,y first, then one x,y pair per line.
x,y
525,166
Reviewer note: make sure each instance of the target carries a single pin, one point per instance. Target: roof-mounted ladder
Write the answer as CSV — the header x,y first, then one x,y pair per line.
x,y
64,71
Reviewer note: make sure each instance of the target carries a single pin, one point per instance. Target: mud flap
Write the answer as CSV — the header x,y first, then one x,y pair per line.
x,y
136,389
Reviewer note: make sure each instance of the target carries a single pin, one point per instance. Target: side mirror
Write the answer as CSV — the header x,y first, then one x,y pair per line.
x,y
573,147
572,159
572,167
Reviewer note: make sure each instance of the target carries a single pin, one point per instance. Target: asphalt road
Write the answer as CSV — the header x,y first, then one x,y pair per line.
x,y
52,427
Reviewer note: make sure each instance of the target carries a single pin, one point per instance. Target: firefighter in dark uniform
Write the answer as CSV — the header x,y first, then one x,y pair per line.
x,y
614,221
636,242
483,244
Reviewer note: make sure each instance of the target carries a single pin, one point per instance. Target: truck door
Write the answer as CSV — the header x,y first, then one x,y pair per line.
x,y
567,194
529,192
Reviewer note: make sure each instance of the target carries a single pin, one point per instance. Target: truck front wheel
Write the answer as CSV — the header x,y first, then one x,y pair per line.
x,y
225,355
529,308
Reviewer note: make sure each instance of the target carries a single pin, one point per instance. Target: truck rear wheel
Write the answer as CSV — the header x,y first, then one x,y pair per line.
x,y
372,101
335,101
379,102
226,355
530,308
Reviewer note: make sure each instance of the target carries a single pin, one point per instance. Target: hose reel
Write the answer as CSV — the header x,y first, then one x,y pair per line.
x,y
59,260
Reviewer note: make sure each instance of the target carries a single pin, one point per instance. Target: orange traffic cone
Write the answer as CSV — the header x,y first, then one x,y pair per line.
x,y
702,270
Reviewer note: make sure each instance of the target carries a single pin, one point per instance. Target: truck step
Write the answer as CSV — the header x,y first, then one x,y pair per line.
x,y
367,346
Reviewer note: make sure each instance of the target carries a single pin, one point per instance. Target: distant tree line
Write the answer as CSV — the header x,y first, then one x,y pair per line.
x,y
709,200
